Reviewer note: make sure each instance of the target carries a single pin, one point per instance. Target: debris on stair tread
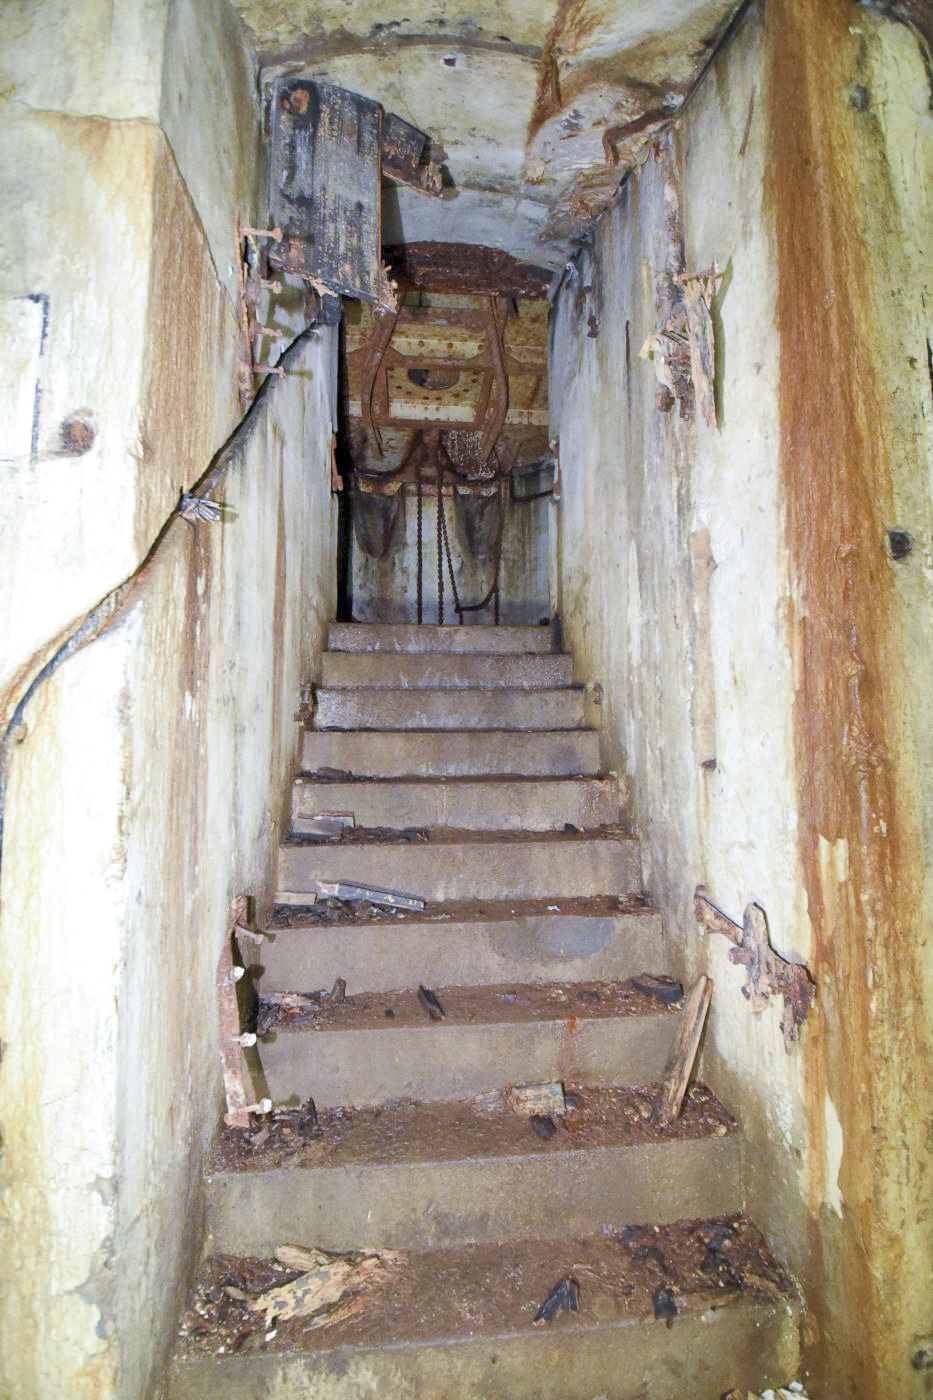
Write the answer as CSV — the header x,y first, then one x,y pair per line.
x,y
538,1099
328,1288
431,1004
406,1131
463,1006
493,1288
563,1297
331,910
454,835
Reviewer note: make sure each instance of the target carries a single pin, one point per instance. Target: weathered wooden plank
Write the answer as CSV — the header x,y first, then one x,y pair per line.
x,y
325,153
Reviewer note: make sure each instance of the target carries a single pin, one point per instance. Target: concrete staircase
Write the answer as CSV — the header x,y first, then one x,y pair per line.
x,y
534,922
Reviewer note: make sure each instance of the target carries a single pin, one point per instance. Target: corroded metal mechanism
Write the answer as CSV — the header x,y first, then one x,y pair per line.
x,y
459,371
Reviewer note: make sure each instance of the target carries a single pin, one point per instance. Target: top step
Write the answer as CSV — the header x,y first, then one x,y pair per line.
x,y
412,637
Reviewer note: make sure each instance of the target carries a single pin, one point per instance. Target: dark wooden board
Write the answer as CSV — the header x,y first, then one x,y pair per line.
x,y
325,155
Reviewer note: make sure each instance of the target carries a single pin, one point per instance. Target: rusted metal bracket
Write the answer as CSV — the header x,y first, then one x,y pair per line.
x,y
250,287
767,974
232,1039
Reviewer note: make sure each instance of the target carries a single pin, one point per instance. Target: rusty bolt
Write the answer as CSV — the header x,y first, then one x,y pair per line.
x,y
77,434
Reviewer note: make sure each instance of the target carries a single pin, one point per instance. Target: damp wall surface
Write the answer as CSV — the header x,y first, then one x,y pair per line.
x,y
147,784
765,659
385,586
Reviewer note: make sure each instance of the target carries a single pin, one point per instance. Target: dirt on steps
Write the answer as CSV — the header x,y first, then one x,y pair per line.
x,y
406,1131
633,1271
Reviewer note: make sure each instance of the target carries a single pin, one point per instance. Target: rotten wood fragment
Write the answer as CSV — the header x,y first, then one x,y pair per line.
x,y
767,973
686,1044
408,156
319,1294
237,1087
325,172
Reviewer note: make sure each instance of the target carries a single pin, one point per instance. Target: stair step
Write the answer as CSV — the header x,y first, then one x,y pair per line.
x,y
355,1053
470,865
408,753
516,804
587,940
425,1176
375,707
445,669
412,637
459,1323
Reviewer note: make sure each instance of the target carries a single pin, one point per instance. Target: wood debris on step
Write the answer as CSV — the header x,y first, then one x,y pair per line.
x,y
684,1053
544,1100
331,1287
345,889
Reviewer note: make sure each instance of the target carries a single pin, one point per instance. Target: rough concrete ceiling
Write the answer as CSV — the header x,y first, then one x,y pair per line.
x,y
520,97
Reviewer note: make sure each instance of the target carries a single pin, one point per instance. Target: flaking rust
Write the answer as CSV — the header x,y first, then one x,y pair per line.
x,y
767,973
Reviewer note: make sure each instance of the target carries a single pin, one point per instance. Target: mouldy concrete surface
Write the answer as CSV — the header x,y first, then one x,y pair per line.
x,y
150,785
731,590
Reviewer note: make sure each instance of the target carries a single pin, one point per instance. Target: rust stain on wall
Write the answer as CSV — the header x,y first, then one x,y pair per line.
x,y
866,1050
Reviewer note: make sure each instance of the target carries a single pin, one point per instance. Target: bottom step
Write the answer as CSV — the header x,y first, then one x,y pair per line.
x,y
458,1323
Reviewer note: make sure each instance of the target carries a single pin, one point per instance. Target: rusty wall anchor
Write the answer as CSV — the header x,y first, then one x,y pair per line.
x,y
766,972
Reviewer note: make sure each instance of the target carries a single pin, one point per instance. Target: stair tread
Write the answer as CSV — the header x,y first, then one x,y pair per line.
x,y
508,1004
494,1290
362,836
464,911
467,1130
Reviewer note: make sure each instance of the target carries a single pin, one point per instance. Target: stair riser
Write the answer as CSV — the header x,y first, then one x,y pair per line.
x,y
485,870
558,754
701,1356
344,668
386,956
436,1205
448,709
441,1062
501,806
403,637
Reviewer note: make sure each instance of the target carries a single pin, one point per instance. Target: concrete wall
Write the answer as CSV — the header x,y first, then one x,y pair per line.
x,y
385,589
732,589
147,787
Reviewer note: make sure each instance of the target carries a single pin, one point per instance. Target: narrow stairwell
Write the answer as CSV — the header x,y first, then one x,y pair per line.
x,y
463,755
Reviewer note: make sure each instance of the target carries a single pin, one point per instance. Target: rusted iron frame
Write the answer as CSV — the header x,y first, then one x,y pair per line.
x,y
250,286
497,420
767,973
384,322
468,268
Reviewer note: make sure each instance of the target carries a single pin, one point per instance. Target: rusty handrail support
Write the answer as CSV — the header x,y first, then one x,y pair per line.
x,y
767,973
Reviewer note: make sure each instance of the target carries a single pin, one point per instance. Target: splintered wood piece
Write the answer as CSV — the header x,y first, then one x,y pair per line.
x,y
237,1087
323,1287
686,1044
